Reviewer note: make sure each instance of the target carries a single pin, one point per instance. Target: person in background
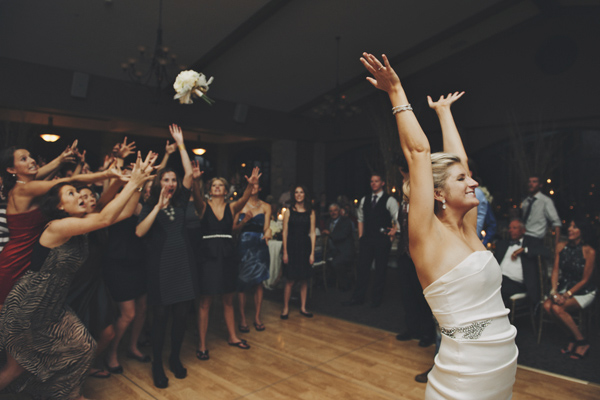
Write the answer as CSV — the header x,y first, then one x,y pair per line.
x,y
539,212
572,288
218,265
377,218
299,236
340,246
254,225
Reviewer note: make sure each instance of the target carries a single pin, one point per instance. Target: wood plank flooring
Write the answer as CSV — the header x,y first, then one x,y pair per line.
x,y
320,358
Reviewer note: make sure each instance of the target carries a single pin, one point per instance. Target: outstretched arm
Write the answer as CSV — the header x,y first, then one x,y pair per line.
x,y
415,147
53,166
199,202
452,142
61,230
185,158
169,149
239,204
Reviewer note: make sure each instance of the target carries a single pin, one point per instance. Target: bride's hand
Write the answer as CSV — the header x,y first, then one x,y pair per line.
x,y
384,76
444,101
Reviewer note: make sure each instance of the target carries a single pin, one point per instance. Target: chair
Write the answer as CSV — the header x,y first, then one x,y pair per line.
x,y
522,305
320,264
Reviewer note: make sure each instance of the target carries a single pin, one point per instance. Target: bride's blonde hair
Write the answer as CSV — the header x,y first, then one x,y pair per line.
x,y
440,162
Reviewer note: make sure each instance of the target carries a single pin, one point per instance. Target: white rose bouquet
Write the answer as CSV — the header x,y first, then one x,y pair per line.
x,y
190,83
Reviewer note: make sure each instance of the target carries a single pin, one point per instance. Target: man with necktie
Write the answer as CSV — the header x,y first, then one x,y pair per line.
x,y
539,212
377,216
518,261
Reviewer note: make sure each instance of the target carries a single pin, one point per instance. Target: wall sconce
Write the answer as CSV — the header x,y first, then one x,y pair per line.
x,y
49,137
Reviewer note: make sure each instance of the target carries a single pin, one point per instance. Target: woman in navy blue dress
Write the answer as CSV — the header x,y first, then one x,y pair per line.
x,y
253,223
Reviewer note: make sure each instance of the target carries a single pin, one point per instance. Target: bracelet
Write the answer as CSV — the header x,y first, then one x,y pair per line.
x,y
140,188
569,293
181,147
397,109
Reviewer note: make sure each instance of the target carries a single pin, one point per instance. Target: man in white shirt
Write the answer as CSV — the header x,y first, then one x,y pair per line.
x,y
539,212
518,262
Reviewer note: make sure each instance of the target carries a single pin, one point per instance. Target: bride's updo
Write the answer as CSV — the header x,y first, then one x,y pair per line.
x,y
440,162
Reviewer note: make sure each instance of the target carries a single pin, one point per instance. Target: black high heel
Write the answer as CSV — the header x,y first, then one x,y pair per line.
x,y
158,376
177,368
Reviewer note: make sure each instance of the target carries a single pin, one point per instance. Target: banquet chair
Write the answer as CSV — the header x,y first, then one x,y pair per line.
x,y
520,303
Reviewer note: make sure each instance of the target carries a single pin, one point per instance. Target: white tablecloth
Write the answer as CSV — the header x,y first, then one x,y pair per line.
x,y
276,262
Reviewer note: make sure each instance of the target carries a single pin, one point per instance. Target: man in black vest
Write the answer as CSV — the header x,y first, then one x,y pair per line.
x,y
377,214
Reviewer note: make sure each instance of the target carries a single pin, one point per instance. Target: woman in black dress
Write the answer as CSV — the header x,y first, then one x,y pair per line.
x,y
298,249
219,263
172,280
39,335
574,264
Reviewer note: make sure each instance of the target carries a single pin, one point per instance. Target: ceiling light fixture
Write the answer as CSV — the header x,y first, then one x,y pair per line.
x,y
49,137
156,74
199,151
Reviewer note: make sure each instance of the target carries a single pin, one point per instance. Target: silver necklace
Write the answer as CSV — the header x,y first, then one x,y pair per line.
x,y
18,181
170,211
256,206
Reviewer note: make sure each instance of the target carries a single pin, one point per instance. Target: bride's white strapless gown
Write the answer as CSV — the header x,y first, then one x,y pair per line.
x,y
478,356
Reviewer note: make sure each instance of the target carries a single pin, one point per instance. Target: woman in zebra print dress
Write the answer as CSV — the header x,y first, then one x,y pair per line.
x,y
48,349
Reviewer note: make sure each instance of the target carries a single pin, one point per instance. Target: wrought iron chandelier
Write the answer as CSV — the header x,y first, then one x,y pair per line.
x,y
157,72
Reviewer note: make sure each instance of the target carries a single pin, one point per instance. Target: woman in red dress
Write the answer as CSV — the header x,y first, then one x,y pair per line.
x,y
24,219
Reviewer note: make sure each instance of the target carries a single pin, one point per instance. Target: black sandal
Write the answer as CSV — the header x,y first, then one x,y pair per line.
x,y
244,328
580,343
241,345
568,349
259,327
202,355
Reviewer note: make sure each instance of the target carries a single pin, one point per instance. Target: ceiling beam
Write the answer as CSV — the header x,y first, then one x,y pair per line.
x,y
416,50
257,19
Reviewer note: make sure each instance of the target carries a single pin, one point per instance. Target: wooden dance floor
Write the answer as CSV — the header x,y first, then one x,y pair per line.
x,y
301,358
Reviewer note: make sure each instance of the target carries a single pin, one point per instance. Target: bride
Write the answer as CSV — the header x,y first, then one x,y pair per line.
x,y
478,355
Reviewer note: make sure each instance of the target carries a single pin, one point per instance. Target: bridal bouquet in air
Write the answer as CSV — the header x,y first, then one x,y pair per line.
x,y
191,83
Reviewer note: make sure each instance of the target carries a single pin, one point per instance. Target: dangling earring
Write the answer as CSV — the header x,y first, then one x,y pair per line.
x,y
444,204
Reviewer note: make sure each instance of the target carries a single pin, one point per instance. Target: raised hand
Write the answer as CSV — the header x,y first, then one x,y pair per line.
x,y
444,101
124,149
177,133
142,169
68,155
253,180
80,156
196,172
163,199
384,76
170,148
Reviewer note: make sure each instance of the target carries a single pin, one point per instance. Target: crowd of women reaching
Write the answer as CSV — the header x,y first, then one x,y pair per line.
x,y
87,254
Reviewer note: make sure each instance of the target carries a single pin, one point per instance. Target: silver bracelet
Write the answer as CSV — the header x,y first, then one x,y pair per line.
x,y
397,109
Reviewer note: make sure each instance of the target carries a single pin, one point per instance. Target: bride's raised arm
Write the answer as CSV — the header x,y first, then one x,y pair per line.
x,y
415,147
451,138
452,141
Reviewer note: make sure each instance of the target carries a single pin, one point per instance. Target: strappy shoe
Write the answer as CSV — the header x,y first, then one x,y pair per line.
x,y
259,327
244,328
202,355
568,349
580,343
